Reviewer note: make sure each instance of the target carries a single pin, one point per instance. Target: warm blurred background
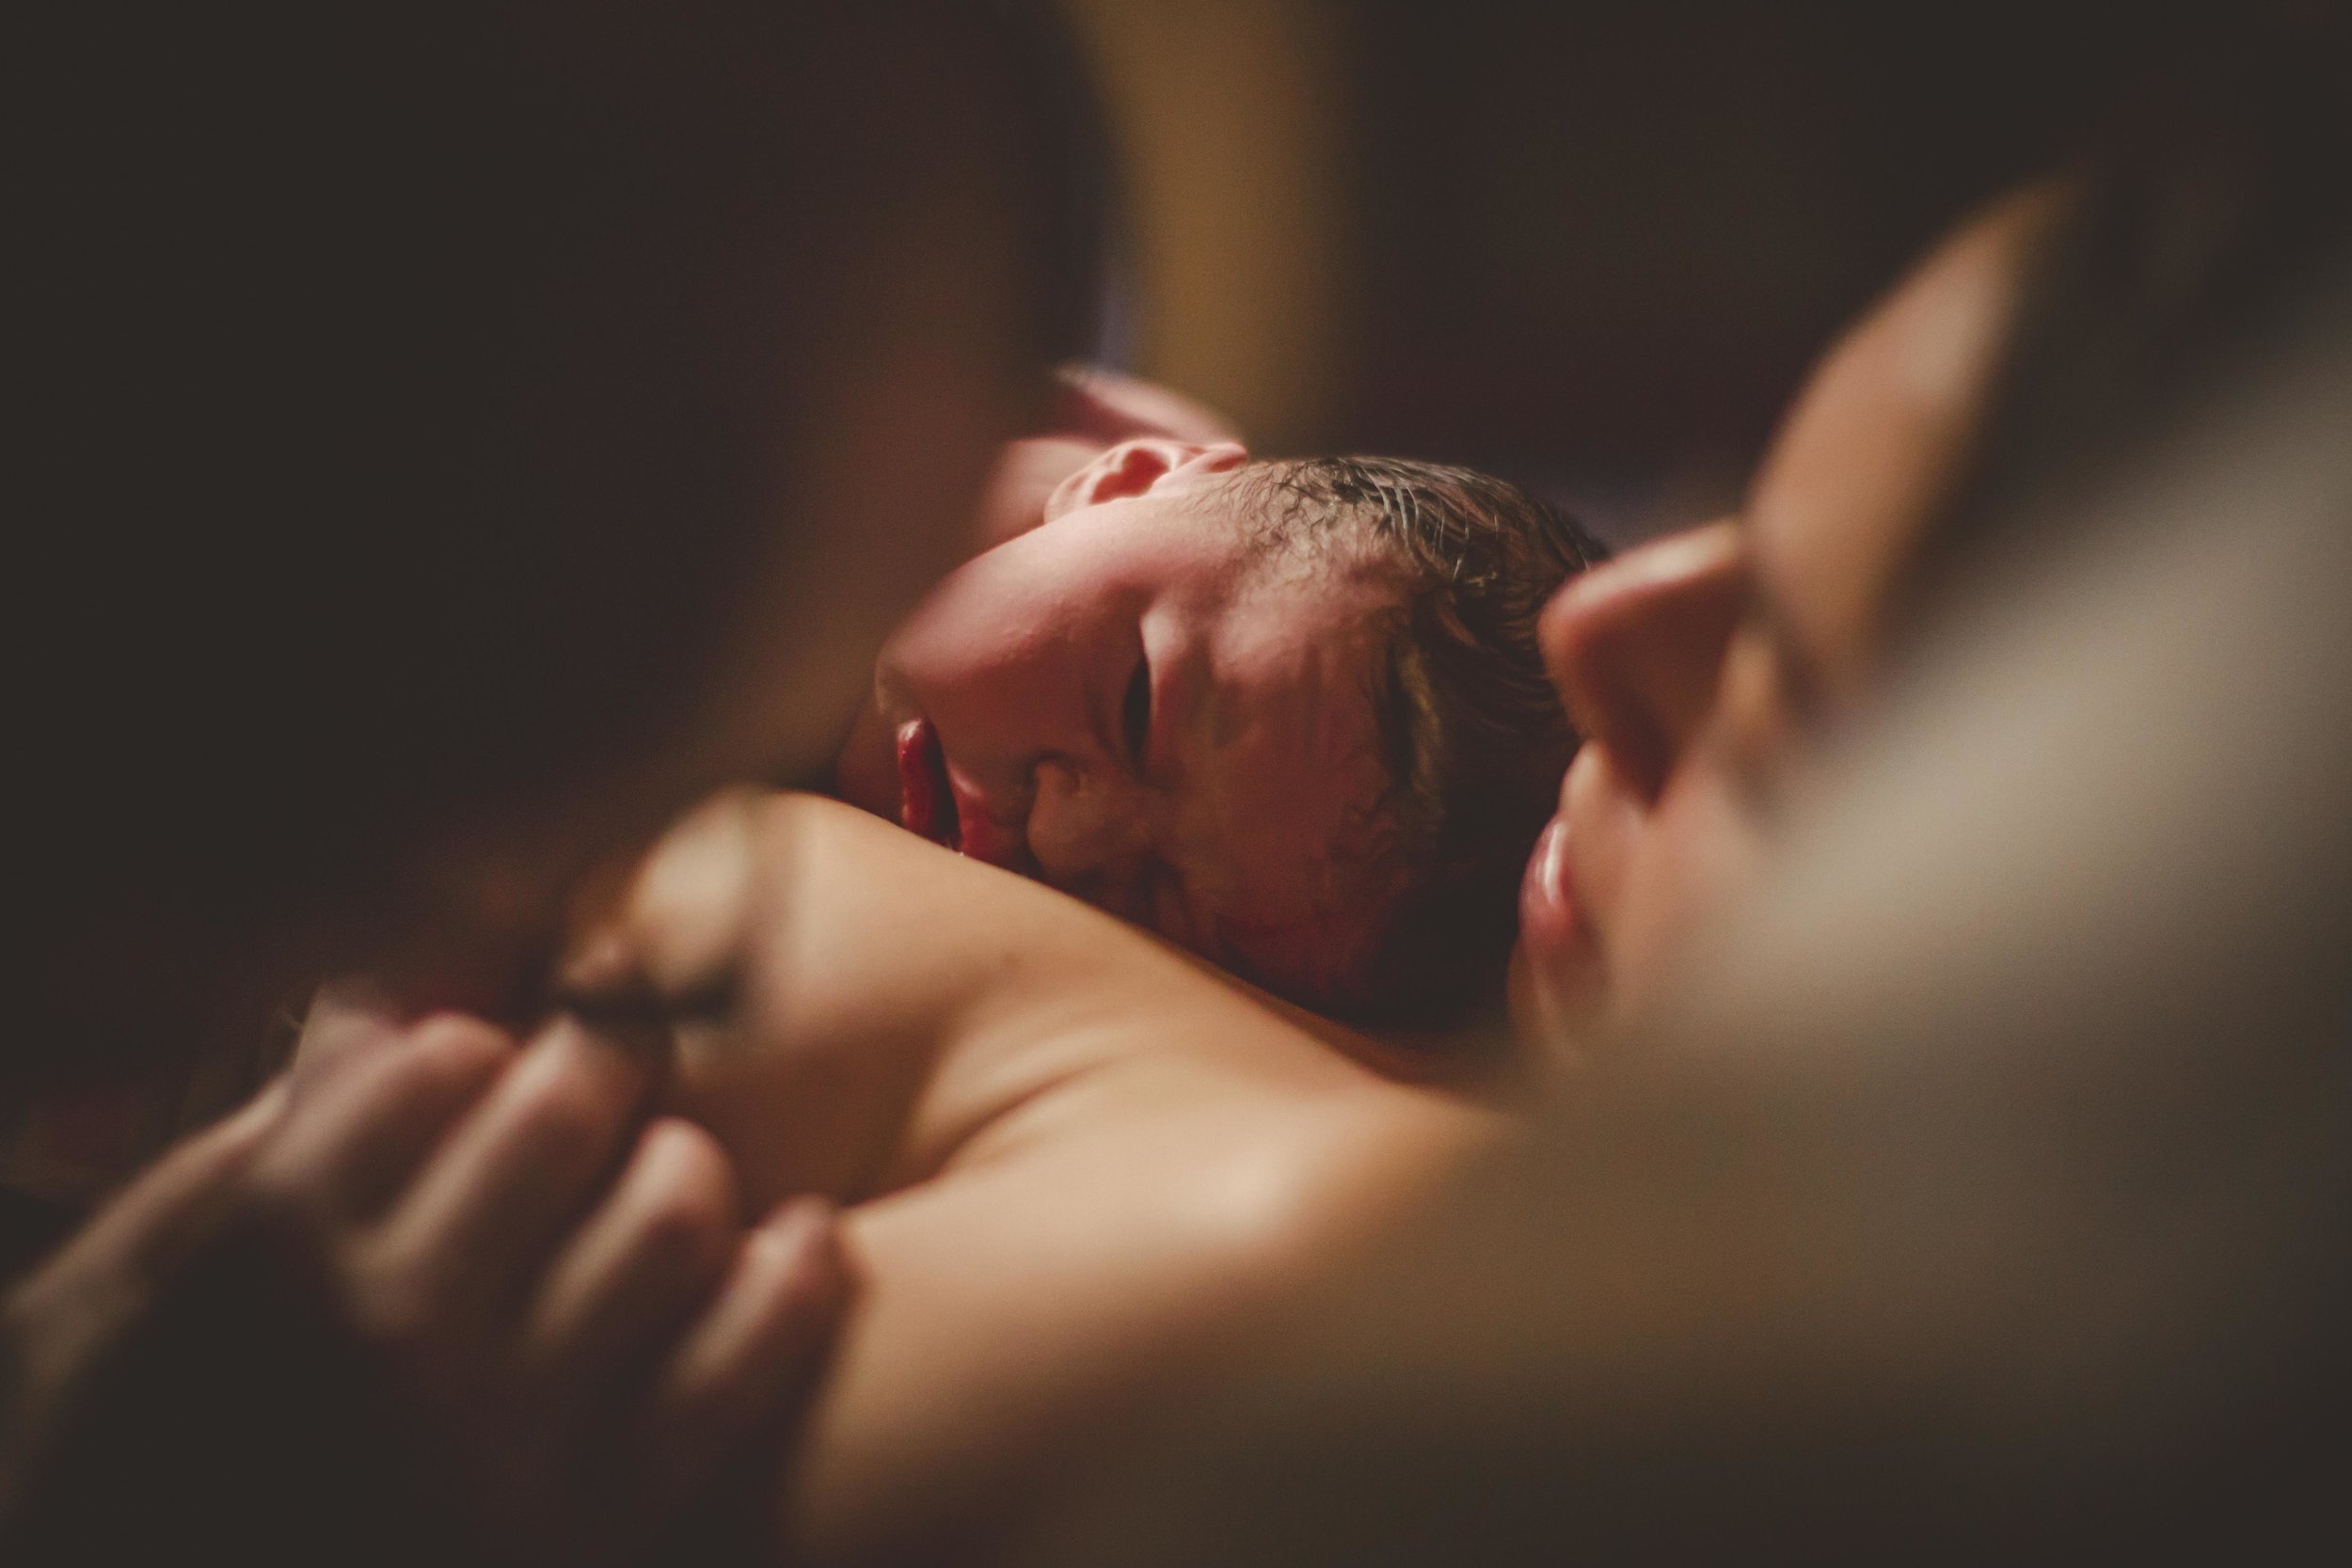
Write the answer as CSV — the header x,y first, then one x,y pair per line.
x,y
1591,245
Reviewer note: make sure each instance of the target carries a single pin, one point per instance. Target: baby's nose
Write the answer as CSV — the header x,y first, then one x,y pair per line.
x,y
1089,830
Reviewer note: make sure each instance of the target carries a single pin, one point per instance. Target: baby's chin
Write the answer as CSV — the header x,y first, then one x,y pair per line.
x,y
865,773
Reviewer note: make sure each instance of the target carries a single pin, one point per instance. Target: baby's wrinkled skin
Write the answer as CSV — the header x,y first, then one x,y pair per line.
x,y
1134,702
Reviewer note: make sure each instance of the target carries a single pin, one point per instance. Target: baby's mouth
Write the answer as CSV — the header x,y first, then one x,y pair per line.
x,y
927,804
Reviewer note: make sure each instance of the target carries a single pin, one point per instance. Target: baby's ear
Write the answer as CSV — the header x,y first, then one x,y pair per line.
x,y
1139,467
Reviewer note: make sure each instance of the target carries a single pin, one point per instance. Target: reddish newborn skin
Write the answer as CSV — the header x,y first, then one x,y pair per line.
x,y
1134,702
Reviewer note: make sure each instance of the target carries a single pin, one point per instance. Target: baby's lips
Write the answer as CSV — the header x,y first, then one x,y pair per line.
x,y
920,806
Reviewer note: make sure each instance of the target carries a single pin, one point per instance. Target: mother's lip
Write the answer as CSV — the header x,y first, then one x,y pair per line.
x,y
1552,926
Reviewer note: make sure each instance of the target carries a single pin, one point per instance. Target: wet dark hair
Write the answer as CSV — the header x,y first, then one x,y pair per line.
x,y
417,384
1476,739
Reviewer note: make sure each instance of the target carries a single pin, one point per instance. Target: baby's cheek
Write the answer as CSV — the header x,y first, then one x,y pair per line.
x,y
1160,907
1312,959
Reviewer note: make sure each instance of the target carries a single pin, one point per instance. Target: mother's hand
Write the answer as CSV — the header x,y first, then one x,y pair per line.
x,y
584,1350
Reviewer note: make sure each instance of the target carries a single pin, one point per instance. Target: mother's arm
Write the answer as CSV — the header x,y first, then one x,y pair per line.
x,y
1078,1161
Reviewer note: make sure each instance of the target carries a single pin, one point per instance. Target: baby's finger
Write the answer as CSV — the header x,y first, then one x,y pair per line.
x,y
148,1228
347,1148
638,1267
479,1223
755,1354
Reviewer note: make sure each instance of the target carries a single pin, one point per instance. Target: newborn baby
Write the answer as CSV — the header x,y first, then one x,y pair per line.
x,y
1289,715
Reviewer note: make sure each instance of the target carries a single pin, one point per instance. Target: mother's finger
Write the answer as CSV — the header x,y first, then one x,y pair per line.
x,y
147,1227
752,1357
478,1225
56,1322
638,1268
347,1017
361,1132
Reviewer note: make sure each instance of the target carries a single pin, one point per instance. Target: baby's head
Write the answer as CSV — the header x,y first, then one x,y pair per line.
x,y
1289,713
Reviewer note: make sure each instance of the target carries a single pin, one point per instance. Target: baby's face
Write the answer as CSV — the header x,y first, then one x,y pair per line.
x,y
1133,704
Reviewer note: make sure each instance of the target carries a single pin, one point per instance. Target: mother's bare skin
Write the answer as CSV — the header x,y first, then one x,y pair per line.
x,y
1075,1162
